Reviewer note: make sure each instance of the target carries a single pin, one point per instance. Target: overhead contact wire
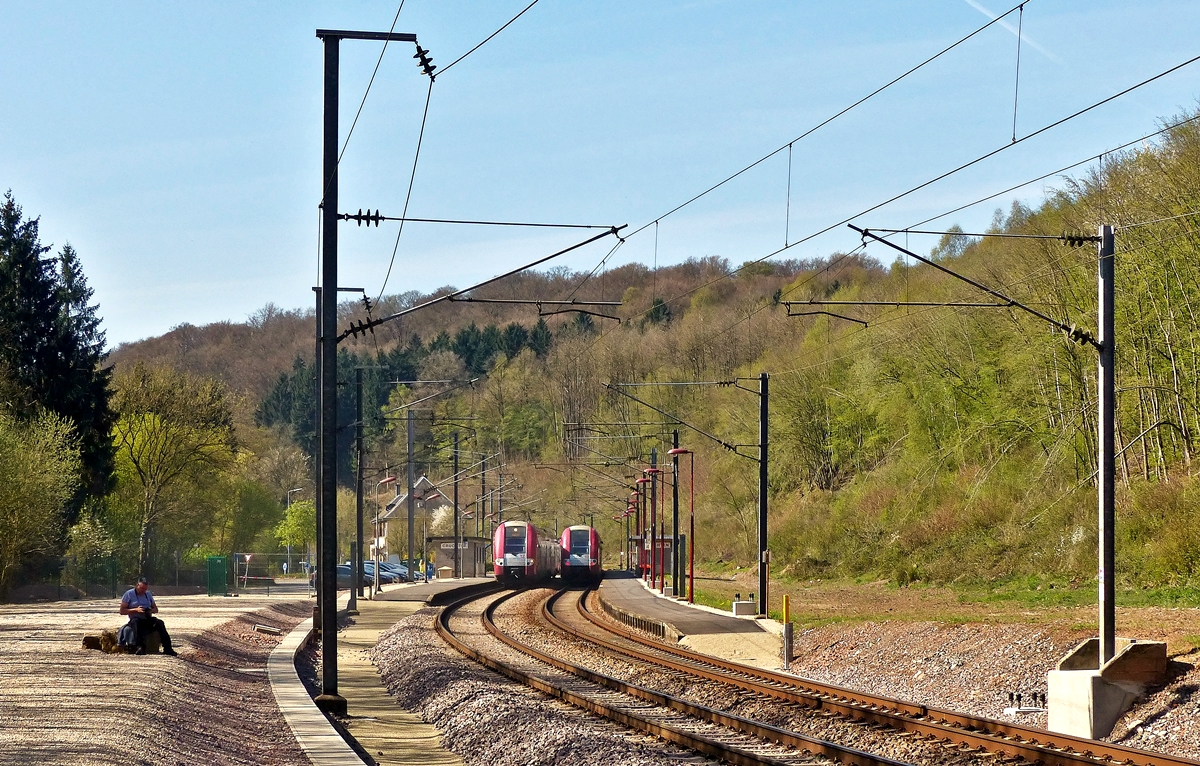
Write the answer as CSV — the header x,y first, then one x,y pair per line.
x,y
363,102
772,254
828,120
488,38
408,196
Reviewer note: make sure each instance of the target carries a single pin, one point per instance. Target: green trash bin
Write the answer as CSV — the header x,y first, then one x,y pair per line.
x,y
218,580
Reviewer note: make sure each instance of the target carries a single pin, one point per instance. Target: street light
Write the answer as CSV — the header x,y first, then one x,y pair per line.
x,y
288,565
691,520
656,541
644,570
375,547
425,531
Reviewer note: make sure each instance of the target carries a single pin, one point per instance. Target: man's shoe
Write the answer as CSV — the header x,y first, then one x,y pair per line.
x,y
140,650
170,653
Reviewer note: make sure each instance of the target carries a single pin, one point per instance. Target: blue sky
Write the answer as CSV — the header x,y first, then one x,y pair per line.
x,y
177,147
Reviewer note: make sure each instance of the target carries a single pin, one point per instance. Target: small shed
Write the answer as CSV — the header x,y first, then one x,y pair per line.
x,y
474,554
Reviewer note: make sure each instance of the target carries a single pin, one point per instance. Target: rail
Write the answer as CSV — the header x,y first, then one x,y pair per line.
x,y
702,744
1001,738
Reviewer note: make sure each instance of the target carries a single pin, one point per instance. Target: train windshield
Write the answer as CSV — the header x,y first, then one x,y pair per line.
x,y
514,540
580,542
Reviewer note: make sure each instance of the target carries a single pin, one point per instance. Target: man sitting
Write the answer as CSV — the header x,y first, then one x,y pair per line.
x,y
138,604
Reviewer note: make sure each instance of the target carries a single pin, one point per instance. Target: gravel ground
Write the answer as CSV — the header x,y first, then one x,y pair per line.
x,y
518,616
969,667
489,719
63,704
972,668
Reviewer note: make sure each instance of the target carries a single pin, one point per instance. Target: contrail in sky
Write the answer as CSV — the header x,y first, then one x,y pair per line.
x,y
1024,37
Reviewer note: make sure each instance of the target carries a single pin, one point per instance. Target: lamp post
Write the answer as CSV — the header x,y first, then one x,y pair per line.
x,y
631,528
691,518
658,578
289,508
643,528
375,547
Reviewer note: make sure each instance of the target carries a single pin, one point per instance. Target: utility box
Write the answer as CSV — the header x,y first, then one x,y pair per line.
x,y
744,608
218,576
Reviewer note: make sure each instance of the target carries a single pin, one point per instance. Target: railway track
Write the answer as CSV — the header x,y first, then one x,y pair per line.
x,y
948,727
706,730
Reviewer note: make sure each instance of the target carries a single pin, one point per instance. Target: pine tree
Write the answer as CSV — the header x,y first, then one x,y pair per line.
x,y
51,345
84,382
540,338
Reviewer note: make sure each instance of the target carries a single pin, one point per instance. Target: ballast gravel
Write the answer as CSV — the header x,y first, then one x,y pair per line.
x,y
521,617
970,668
489,719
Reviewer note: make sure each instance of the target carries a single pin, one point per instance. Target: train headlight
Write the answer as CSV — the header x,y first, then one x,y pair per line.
x,y
499,562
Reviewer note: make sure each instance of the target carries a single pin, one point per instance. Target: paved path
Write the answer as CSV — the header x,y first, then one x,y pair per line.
x,y
631,594
711,631
390,734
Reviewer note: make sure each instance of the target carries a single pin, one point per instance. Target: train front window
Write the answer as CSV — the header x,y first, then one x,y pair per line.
x,y
514,540
580,542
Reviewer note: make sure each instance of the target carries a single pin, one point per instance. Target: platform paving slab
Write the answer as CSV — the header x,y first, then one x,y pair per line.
x,y
388,733
316,736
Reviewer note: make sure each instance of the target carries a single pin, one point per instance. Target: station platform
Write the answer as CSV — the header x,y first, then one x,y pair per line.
x,y
425,591
703,629
390,735
625,590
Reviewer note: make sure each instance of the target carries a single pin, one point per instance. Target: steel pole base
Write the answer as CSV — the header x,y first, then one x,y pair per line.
x,y
331,703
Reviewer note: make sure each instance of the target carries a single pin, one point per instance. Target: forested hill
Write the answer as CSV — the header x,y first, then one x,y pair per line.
x,y
917,442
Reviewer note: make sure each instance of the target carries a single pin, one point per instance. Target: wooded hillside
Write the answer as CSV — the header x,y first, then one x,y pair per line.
x,y
936,443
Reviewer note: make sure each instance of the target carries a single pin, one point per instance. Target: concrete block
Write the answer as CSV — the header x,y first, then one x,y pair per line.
x,y
1083,704
1086,700
1143,663
744,608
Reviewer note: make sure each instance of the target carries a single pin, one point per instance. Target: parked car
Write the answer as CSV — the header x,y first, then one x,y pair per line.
x,y
385,575
345,576
399,569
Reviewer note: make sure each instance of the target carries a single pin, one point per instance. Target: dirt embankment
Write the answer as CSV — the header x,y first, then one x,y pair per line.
x,y
64,704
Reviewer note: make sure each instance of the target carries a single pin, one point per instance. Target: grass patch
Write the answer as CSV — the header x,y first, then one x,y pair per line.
x,y
1032,591
1042,592
810,623
1179,596
715,601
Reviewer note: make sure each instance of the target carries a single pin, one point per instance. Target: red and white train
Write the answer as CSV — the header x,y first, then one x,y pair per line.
x,y
582,560
524,555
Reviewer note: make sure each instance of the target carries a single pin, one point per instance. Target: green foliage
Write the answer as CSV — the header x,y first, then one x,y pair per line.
x,y
299,526
39,460
948,445
172,427
659,312
51,346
